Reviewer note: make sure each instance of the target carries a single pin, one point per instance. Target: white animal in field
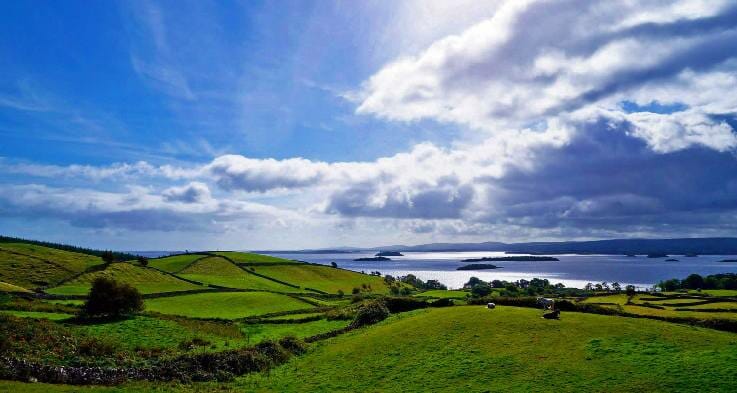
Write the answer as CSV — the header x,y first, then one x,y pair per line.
x,y
546,303
490,306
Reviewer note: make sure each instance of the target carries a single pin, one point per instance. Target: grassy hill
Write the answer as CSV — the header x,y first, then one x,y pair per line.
x,y
31,266
220,271
512,349
323,278
226,305
5,287
251,259
175,263
144,279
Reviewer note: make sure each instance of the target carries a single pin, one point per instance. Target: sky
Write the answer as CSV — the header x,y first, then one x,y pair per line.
x,y
168,125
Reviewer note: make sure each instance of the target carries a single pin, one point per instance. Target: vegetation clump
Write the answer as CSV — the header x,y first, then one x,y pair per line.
x,y
369,313
109,298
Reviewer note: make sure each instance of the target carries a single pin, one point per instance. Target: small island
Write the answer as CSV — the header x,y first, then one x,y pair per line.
x,y
671,260
372,259
691,255
389,254
517,258
479,266
728,260
657,255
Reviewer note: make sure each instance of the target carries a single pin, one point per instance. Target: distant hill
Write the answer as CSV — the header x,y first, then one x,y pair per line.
x,y
682,246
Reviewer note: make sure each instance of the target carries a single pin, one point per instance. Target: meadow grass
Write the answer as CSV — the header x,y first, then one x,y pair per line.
x,y
247,257
174,263
260,332
144,279
471,348
53,316
5,287
219,271
671,312
226,305
323,278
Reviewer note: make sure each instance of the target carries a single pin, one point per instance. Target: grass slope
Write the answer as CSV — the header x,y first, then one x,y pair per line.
x,y
246,258
145,280
71,260
260,332
29,272
323,278
226,305
512,349
174,263
5,287
219,271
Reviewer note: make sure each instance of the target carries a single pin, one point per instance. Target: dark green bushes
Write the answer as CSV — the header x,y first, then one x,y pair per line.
x,y
404,304
109,298
370,313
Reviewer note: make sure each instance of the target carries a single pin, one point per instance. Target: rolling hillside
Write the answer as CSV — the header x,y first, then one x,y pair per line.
x,y
31,266
219,271
144,279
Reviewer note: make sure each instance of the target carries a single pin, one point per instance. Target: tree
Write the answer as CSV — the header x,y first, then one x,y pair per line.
x,y
108,257
693,281
333,264
143,261
480,290
589,287
616,287
630,289
109,298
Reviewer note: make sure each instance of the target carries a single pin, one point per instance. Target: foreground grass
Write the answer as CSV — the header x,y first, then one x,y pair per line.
x,y
472,349
226,305
53,316
219,271
512,349
323,278
145,280
260,332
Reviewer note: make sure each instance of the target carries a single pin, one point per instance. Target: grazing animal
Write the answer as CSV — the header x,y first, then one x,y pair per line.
x,y
490,306
552,315
546,303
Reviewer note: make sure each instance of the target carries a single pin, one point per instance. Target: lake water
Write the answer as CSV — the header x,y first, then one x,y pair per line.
x,y
571,270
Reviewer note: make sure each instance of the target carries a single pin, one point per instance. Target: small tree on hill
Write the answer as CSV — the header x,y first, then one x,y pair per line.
x,y
333,264
109,298
108,257
630,290
143,261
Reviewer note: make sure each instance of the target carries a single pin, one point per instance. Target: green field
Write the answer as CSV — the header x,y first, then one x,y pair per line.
x,y
144,279
640,302
174,263
323,278
30,272
247,258
473,349
219,271
444,294
226,305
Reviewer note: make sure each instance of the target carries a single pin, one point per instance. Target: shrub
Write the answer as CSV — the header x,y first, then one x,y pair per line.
x,y
111,298
107,257
356,298
143,261
293,345
370,313
403,304
445,302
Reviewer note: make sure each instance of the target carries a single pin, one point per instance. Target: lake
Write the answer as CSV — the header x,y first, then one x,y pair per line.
x,y
571,270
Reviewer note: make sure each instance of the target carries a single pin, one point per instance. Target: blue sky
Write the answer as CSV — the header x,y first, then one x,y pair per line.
x,y
162,125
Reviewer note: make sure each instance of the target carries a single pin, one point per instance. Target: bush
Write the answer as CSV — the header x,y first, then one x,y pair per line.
x,y
370,313
445,302
293,345
403,304
112,299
